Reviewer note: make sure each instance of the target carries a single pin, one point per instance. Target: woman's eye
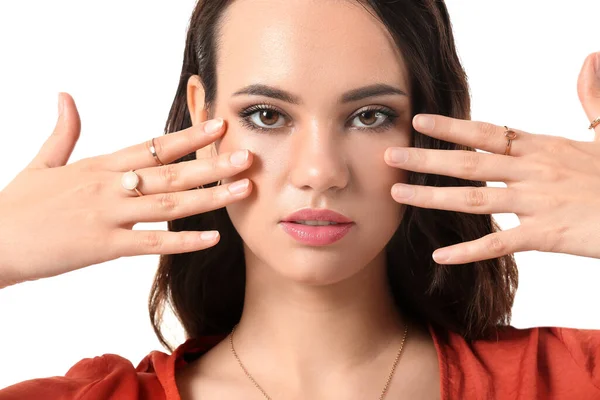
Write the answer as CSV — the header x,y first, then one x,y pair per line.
x,y
370,119
267,119
264,117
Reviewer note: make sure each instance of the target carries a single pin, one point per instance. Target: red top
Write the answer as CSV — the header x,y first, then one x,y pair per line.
x,y
535,363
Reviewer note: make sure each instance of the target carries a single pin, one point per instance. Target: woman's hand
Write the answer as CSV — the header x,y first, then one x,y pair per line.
x,y
56,218
553,183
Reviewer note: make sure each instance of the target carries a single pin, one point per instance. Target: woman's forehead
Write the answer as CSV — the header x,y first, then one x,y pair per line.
x,y
316,42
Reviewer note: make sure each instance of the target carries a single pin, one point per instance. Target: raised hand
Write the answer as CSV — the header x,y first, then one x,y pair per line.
x,y
56,218
553,183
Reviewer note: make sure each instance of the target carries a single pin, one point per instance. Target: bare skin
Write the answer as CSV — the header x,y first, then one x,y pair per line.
x,y
85,217
317,323
217,375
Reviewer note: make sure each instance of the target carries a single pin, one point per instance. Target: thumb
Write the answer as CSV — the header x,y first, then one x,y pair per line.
x,y
588,89
57,149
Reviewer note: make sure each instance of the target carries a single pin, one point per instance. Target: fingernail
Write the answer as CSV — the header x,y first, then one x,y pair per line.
x,y
403,191
213,126
441,256
398,156
239,187
210,235
597,64
424,123
239,158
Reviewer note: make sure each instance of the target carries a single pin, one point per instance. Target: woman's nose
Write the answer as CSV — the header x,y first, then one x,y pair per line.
x,y
318,161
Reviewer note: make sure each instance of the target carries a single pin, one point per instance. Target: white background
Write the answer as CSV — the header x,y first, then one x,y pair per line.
x,y
121,61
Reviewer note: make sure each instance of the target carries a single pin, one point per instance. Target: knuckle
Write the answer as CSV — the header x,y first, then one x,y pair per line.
x,y
548,171
553,242
150,241
553,148
551,174
94,217
89,164
556,145
169,174
552,202
496,245
90,188
487,130
541,202
475,197
470,163
167,202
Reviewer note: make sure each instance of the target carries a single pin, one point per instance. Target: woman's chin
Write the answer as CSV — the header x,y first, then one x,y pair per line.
x,y
311,268
314,275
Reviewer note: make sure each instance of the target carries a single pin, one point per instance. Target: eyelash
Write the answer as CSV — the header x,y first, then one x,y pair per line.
x,y
246,113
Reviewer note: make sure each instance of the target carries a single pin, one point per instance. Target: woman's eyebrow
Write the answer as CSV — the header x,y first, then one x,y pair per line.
x,y
378,89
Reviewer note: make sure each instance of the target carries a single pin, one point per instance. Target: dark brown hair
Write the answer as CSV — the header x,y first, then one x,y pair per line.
x,y
206,288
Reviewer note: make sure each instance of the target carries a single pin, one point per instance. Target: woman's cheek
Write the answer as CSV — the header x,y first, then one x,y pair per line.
x,y
266,155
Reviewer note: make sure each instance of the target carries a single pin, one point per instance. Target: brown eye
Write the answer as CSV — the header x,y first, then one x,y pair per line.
x,y
268,117
368,117
371,119
264,118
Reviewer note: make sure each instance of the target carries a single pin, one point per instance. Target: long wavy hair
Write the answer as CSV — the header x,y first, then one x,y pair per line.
x,y
206,288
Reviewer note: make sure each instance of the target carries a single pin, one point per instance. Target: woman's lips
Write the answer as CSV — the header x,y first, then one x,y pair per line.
x,y
316,235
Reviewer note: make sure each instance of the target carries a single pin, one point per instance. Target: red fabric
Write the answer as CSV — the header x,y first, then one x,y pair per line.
x,y
536,363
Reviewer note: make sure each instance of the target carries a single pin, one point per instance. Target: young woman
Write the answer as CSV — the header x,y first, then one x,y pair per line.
x,y
297,261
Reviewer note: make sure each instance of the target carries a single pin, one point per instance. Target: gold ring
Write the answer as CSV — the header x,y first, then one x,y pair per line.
x,y
594,123
153,151
130,180
510,135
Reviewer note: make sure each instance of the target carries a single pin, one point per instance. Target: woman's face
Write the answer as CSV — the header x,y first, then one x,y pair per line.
x,y
324,150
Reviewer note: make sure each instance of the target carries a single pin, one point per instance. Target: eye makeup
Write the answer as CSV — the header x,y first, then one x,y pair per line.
x,y
386,115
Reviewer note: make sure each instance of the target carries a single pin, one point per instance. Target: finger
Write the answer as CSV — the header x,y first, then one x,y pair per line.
x,y
168,147
137,242
170,206
493,245
472,200
476,134
588,89
57,149
190,174
465,164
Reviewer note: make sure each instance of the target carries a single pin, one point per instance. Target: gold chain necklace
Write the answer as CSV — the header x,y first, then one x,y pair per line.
x,y
383,392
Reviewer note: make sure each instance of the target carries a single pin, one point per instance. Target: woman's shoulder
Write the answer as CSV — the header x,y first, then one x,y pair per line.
x,y
541,362
111,376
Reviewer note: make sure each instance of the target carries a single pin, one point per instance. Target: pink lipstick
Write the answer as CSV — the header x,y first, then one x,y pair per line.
x,y
317,227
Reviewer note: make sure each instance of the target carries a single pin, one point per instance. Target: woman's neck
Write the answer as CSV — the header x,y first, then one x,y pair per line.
x,y
305,335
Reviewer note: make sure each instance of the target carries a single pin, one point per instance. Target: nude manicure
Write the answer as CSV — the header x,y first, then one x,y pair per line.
x,y
239,158
213,126
239,187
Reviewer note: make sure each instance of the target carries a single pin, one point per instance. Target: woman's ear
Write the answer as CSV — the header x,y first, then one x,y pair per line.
x,y
195,100
198,113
